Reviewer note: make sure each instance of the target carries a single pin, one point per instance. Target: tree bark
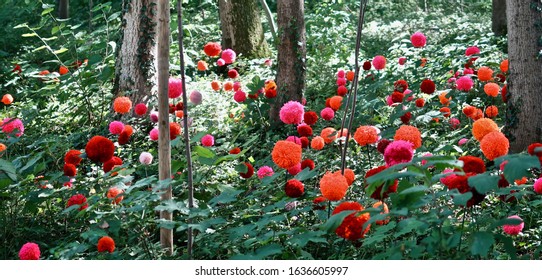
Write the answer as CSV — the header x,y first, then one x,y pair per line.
x,y
242,28
164,148
64,9
136,61
498,17
291,55
523,123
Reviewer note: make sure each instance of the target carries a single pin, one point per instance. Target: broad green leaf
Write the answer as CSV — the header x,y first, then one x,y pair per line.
x,y
484,183
306,174
462,199
9,169
227,195
518,166
481,243
204,152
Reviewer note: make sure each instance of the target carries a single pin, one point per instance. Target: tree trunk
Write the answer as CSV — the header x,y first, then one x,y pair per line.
x,y
524,125
64,9
135,66
291,55
164,148
242,28
498,17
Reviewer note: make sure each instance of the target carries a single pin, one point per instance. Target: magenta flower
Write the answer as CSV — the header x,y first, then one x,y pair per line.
x,y
397,152
175,87
29,251
379,62
418,40
116,127
464,83
228,55
208,140
327,114
10,125
265,171
292,112
154,134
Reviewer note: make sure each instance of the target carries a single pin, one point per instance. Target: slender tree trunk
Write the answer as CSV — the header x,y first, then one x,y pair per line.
x,y
164,148
64,9
291,55
524,83
136,61
498,17
242,28
270,19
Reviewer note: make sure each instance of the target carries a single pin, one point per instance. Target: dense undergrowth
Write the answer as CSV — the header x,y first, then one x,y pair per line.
x,y
443,206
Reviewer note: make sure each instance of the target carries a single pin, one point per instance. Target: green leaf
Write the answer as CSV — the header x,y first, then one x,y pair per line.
x,y
47,11
9,169
39,48
518,166
204,152
461,199
61,50
484,183
29,34
227,195
306,174
414,189
482,242
303,239
241,168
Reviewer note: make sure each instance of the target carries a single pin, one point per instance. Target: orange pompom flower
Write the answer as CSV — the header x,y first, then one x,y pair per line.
x,y
286,154
122,105
106,243
215,85
348,175
492,89
446,112
3,147
317,143
443,100
492,111
7,99
366,135
482,127
385,210
63,70
333,186
202,65
351,227
228,86
329,134
350,75
494,145
335,102
485,74
504,66
115,195
409,133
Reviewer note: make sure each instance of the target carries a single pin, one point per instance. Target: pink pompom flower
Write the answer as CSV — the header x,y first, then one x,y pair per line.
x,y
175,87
472,51
220,62
154,134
195,97
208,140
294,170
418,40
29,251
402,60
464,83
10,125
145,158
116,127
379,62
228,55
240,96
294,139
327,114
538,186
292,112
513,229
462,141
397,152
265,171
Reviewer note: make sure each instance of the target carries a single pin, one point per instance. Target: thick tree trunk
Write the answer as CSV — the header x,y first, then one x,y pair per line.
x,y
64,9
291,55
498,17
164,148
524,123
242,28
136,62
